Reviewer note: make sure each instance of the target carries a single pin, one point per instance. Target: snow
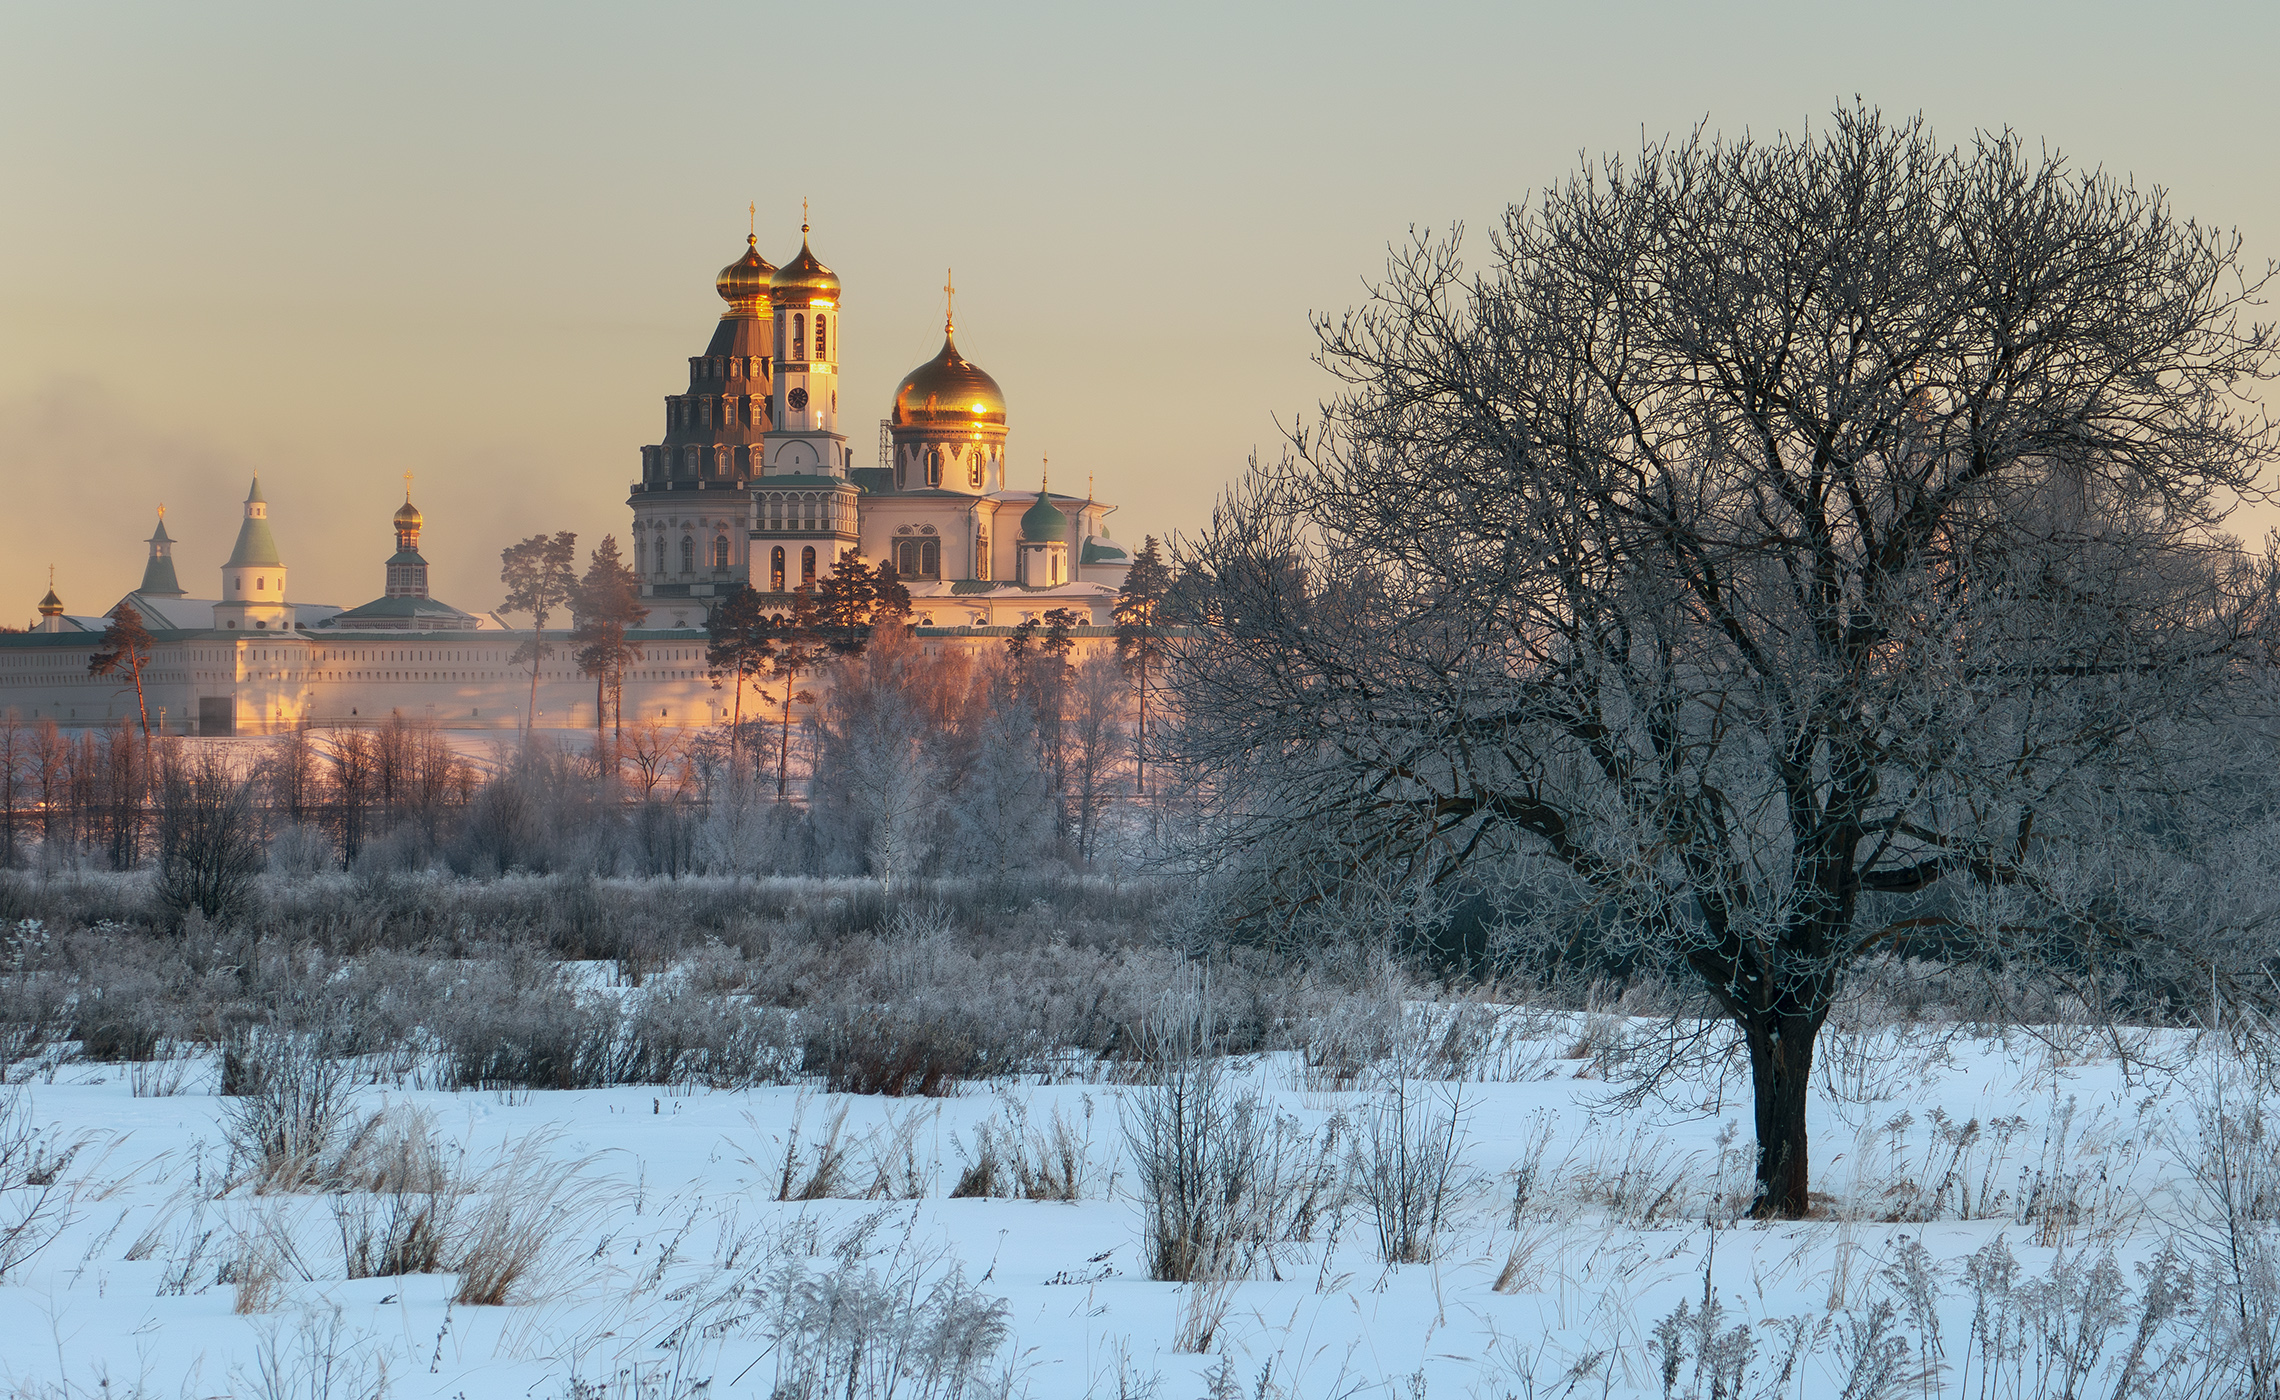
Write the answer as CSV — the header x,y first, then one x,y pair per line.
x,y
673,1208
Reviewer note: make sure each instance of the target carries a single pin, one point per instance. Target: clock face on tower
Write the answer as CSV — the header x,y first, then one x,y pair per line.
x,y
797,398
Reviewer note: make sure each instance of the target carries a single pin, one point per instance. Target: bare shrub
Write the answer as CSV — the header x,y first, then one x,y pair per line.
x,y
288,1106
903,1332
1405,1163
895,1051
300,850
2236,1231
209,841
38,1209
1221,1180
318,1360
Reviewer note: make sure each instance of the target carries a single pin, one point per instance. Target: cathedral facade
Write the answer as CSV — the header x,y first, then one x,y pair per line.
x,y
753,483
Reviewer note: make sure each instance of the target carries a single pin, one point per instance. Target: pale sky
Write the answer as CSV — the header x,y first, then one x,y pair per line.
x,y
335,243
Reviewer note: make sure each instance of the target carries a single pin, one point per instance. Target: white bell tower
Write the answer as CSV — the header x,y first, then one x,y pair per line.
x,y
805,437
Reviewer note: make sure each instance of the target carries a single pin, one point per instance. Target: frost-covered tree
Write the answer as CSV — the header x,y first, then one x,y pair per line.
x,y
1778,541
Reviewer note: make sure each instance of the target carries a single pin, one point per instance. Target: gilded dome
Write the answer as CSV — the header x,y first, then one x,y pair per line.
x,y
948,391
744,282
804,279
408,514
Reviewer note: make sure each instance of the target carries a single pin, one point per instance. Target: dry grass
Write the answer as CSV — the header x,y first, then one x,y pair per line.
x,y
521,1208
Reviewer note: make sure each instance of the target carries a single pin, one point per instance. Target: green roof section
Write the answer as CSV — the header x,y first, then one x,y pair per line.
x,y
1043,521
158,577
1100,550
393,608
255,546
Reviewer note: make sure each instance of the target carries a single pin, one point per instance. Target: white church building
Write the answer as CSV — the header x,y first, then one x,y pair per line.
x,y
753,483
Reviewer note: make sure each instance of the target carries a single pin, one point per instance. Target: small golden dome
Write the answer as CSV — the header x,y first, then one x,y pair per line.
x,y
949,391
408,514
804,279
744,282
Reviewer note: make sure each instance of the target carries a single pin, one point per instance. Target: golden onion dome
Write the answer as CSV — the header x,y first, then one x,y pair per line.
x,y
804,279
949,391
744,282
408,514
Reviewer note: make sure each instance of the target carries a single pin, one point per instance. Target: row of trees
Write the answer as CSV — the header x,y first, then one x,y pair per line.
x,y
944,763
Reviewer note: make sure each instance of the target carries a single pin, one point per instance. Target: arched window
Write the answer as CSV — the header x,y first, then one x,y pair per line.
x,y
918,558
688,555
807,564
799,337
934,466
776,570
640,554
807,511
704,411
820,352
720,551
974,470
659,554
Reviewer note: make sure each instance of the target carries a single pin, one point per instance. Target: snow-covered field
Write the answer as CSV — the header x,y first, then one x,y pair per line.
x,y
662,1261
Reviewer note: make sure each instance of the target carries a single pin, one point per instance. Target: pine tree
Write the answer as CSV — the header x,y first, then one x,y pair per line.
x,y
845,600
125,647
607,607
743,644
1139,635
540,577
799,647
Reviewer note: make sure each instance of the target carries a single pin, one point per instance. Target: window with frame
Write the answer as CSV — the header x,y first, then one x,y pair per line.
x,y
799,336
807,564
776,569
934,466
820,352
720,551
918,558
688,555
974,470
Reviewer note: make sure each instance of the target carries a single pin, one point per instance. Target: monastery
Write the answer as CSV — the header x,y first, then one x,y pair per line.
x,y
753,483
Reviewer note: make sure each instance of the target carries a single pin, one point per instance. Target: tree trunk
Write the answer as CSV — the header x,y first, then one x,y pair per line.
x,y
1781,1071
784,745
735,720
1140,750
537,658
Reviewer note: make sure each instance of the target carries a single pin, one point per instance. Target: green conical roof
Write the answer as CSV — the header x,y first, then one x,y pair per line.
x,y
1044,520
255,545
158,578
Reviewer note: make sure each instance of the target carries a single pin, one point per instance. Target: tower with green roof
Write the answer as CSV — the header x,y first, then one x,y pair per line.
x,y
158,580
1044,558
253,581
